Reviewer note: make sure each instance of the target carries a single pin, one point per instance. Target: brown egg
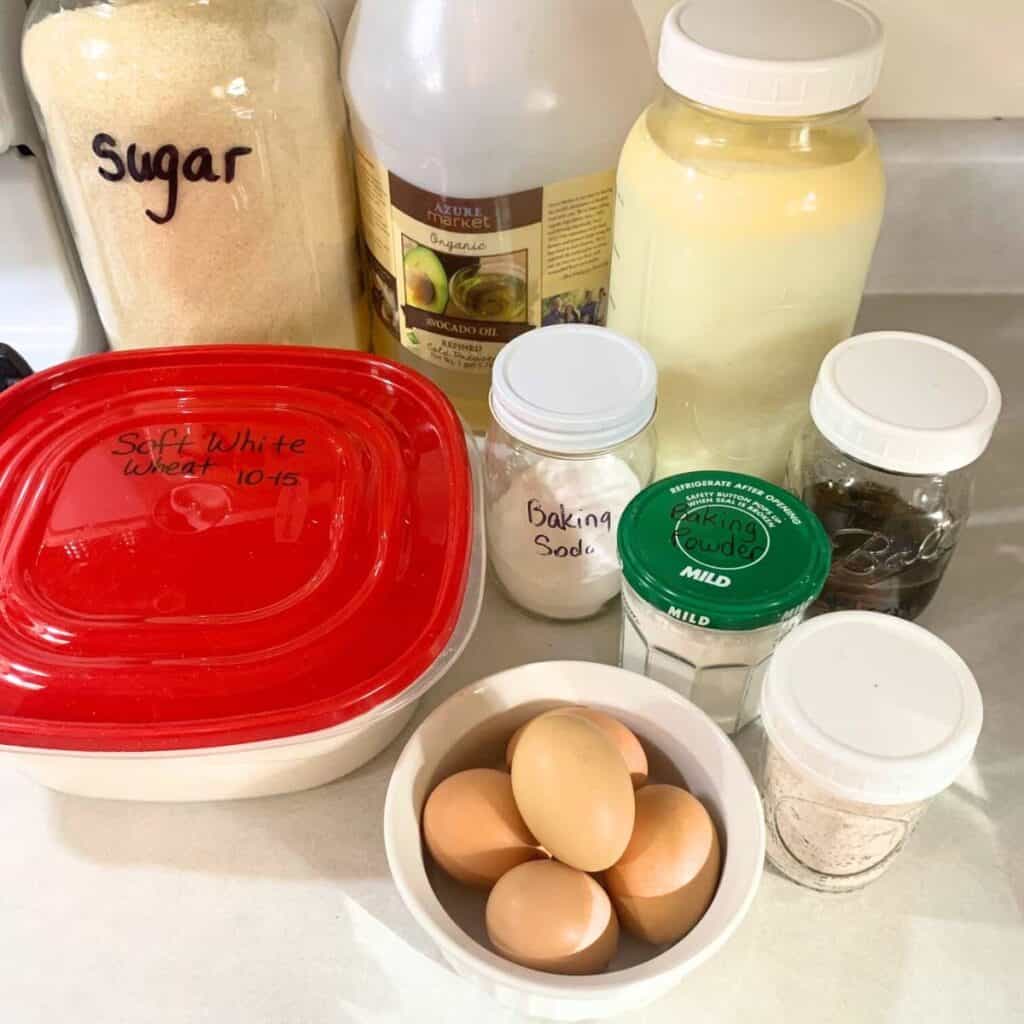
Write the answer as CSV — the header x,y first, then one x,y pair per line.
x,y
629,746
553,918
573,790
665,881
474,830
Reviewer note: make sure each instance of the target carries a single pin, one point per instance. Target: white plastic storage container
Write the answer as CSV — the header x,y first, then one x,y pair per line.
x,y
487,135
227,571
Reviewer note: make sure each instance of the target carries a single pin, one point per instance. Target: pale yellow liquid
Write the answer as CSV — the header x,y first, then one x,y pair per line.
x,y
740,256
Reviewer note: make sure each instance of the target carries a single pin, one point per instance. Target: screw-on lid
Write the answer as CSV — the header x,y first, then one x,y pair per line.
x,y
573,389
871,708
723,550
905,402
786,58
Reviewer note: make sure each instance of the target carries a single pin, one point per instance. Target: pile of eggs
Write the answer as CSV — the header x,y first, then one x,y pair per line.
x,y
572,843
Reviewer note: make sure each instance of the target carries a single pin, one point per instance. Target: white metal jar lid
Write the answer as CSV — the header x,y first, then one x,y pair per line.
x,y
906,403
871,708
787,58
573,389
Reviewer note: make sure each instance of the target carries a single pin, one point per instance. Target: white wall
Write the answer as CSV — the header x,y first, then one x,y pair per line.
x,y
944,59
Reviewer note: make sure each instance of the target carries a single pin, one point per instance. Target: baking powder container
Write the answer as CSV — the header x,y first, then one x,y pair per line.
x,y
717,567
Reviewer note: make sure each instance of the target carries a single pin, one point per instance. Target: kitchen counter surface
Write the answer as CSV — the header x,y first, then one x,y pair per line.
x,y
281,911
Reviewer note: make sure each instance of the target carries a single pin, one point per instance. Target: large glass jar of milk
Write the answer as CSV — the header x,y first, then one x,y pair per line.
x,y
202,154
487,135
749,202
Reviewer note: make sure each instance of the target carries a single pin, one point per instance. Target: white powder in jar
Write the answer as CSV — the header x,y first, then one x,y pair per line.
x,y
553,534
245,230
720,670
823,841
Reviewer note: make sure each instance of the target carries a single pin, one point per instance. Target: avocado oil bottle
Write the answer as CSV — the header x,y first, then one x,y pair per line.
x,y
487,136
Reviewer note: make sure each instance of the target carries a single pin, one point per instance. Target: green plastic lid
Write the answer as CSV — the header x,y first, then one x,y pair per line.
x,y
723,550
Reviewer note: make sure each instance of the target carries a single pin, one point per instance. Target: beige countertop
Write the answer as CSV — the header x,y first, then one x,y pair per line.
x,y
281,911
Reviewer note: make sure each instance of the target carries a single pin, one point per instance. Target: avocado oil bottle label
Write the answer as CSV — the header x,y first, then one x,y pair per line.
x,y
454,278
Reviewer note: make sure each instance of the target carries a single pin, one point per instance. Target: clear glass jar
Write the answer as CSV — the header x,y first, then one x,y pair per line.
x,y
893,534
201,151
717,569
561,464
867,719
823,841
887,465
721,671
745,226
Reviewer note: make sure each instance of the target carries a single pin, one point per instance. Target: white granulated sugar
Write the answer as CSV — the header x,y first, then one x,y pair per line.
x,y
553,534
270,256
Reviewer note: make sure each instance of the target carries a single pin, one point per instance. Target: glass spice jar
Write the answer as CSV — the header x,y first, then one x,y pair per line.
x,y
887,464
717,568
866,718
570,444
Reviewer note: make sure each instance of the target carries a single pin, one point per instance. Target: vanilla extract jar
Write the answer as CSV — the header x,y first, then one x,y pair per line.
x,y
487,136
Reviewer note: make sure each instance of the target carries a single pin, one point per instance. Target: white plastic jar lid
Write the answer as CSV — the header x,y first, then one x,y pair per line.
x,y
573,389
786,58
871,708
905,402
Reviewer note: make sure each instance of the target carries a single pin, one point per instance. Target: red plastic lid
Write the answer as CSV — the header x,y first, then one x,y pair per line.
x,y
211,546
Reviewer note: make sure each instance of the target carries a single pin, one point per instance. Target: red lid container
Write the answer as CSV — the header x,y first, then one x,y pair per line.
x,y
212,546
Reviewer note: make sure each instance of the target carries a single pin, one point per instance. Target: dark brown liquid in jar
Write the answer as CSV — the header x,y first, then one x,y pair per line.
x,y
887,555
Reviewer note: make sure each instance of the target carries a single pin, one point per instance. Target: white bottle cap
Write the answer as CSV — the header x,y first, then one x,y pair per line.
x,y
905,403
786,58
573,389
871,708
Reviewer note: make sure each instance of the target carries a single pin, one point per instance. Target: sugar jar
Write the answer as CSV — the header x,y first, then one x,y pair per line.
x,y
571,442
887,463
867,718
202,156
717,567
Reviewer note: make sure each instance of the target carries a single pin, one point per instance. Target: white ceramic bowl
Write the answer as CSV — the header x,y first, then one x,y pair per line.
x,y
470,730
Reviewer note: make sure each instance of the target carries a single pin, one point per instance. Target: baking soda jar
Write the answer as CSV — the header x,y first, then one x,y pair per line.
x,y
571,443
201,153
750,197
487,135
867,718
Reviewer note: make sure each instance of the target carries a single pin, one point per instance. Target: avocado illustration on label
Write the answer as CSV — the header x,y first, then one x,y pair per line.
x,y
426,283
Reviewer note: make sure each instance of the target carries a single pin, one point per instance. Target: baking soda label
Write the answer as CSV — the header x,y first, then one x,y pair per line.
x,y
455,278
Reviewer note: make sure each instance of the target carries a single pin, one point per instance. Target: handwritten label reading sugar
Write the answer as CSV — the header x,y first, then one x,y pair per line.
x,y
180,453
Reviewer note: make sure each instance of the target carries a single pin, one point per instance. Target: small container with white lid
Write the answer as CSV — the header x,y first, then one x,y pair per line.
x,y
717,568
866,718
571,442
898,420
